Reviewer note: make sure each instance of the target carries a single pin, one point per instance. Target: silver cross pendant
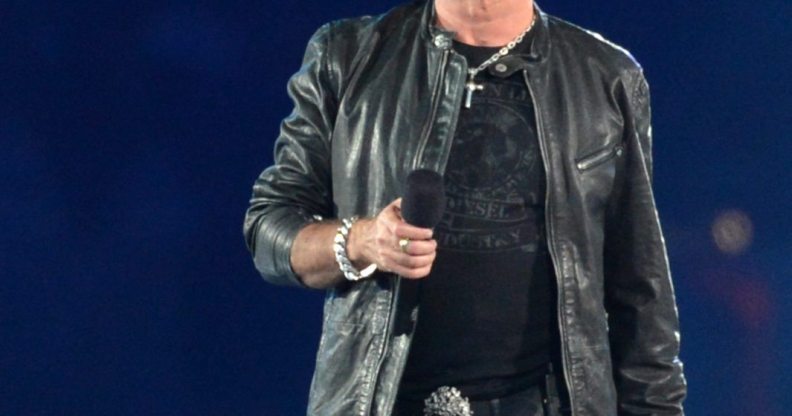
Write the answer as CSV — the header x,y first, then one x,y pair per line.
x,y
471,87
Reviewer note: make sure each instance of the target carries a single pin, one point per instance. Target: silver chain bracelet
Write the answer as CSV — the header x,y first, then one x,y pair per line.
x,y
339,248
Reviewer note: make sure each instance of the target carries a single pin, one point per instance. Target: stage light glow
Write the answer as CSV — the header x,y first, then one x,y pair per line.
x,y
733,232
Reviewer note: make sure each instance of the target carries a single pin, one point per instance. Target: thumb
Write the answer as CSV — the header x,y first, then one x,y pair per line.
x,y
396,204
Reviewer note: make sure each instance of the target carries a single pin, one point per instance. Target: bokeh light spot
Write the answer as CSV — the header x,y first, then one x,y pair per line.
x,y
733,232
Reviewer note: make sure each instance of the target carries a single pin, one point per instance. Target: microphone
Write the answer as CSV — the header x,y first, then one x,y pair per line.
x,y
422,205
424,199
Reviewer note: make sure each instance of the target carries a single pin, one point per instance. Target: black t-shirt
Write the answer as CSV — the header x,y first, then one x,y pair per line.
x,y
486,322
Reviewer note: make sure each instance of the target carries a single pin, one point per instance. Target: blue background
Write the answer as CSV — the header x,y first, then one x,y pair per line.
x,y
131,133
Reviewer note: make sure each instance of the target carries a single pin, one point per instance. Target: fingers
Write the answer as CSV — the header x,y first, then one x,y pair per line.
x,y
413,273
405,265
413,261
404,230
421,247
392,220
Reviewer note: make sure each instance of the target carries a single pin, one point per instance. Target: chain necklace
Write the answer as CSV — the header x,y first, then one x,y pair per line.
x,y
471,85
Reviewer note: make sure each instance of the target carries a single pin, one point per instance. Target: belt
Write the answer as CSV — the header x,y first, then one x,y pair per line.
x,y
542,399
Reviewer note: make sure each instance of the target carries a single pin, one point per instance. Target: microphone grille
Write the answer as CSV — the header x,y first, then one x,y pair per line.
x,y
424,198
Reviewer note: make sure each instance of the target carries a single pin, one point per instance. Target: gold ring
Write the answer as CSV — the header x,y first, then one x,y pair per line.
x,y
403,244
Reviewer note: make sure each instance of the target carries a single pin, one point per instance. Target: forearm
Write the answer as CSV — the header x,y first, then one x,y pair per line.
x,y
312,256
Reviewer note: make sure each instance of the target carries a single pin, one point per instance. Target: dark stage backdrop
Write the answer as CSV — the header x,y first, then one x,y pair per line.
x,y
131,133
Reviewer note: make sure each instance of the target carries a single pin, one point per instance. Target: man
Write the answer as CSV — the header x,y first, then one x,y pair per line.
x,y
549,262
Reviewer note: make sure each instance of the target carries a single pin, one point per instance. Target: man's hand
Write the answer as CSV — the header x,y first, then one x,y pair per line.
x,y
371,240
376,240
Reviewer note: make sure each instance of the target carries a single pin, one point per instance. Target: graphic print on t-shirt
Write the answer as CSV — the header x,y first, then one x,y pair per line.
x,y
494,174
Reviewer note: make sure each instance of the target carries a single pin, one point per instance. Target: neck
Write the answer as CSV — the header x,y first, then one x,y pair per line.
x,y
484,22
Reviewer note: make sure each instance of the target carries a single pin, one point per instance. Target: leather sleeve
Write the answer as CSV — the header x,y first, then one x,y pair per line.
x,y
639,295
298,185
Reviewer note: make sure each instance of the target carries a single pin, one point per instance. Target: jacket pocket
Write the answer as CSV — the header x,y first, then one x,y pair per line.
x,y
599,157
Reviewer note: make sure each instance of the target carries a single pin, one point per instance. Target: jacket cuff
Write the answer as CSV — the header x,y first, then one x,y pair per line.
x,y
274,239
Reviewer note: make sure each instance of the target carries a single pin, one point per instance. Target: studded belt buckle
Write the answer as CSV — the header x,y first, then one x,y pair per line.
x,y
447,401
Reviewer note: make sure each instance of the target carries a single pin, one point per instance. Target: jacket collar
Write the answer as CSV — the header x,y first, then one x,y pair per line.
x,y
439,38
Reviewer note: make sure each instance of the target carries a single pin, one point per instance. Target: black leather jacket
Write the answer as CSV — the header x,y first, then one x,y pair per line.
x,y
379,96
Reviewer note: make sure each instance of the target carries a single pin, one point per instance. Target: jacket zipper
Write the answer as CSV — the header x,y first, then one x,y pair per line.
x,y
597,158
397,284
551,237
435,105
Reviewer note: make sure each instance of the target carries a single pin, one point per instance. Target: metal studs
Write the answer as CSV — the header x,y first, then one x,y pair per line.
x,y
501,67
442,41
